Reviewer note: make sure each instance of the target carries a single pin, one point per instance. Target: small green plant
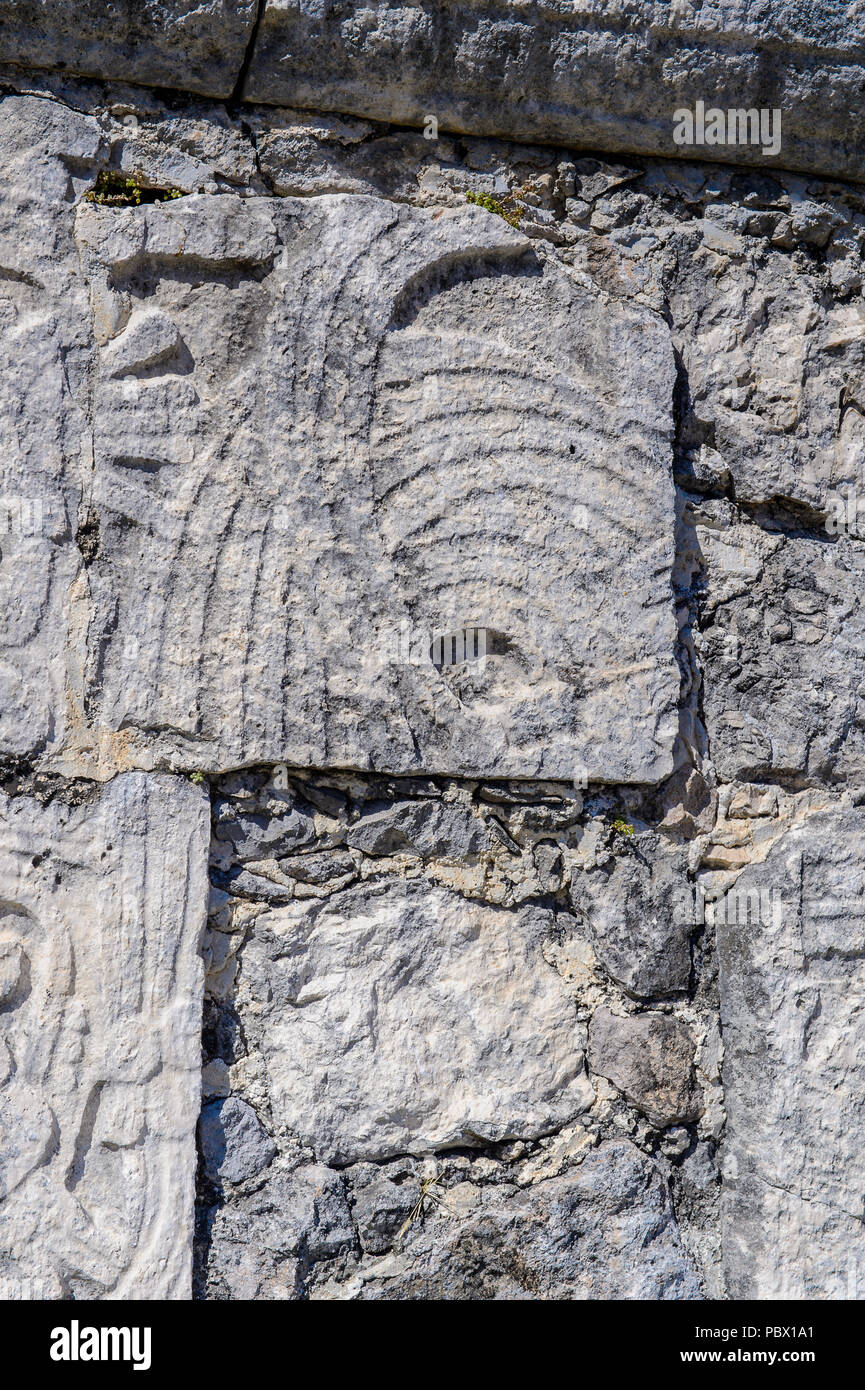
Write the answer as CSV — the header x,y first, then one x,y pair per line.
x,y
113,190
417,1212
621,827
486,200
197,778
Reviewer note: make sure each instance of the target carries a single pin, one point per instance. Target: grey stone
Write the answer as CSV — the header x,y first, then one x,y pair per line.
x,y
761,406
234,1142
639,907
419,827
781,646
44,436
318,868
792,985
607,76
339,673
102,912
259,836
245,884
260,1245
650,1058
401,1018
171,43
605,1231
258,451
380,1210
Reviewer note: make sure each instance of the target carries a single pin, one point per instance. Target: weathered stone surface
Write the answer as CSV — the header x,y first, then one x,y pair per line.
x,y
234,1143
639,907
759,274
419,827
262,1245
792,1007
44,346
604,76
261,446
771,353
258,836
782,650
170,43
381,1208
607,1230
103,908
401,1018
369,489
650,1057
604,1230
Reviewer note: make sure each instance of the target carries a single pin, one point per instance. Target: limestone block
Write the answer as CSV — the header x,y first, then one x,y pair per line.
x,y
792,985
101,983
45,444
400,495
167,43
604,1231
603,74
402,1018
782,645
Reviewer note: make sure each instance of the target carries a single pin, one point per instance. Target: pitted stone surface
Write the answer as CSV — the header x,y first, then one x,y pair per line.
x,y
198,47
783,634
603,74
403,1019
605,1230
102,912
793,1015
44,434
321,466
378,425
651,1059
607,75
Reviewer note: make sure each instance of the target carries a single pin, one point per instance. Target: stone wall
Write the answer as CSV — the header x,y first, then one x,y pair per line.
x,y
449,545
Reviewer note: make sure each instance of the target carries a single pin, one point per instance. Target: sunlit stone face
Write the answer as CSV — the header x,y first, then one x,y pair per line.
x,y
100,989
330,432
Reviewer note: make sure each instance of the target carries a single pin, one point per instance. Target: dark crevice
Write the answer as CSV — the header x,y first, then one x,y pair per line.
x,y
88,536
236,98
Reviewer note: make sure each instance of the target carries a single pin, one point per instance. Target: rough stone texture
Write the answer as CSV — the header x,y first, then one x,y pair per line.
x,y
406,1020
792,1006
358,527
263,444
650,1058
170,43
604,75
418,1053
422,828
606,1231
234,1145
608,75
101,915
268,1239
43,431
782,656
639,907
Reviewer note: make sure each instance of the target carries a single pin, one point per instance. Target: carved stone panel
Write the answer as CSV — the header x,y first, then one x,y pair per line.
x,y
101,911
366,477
